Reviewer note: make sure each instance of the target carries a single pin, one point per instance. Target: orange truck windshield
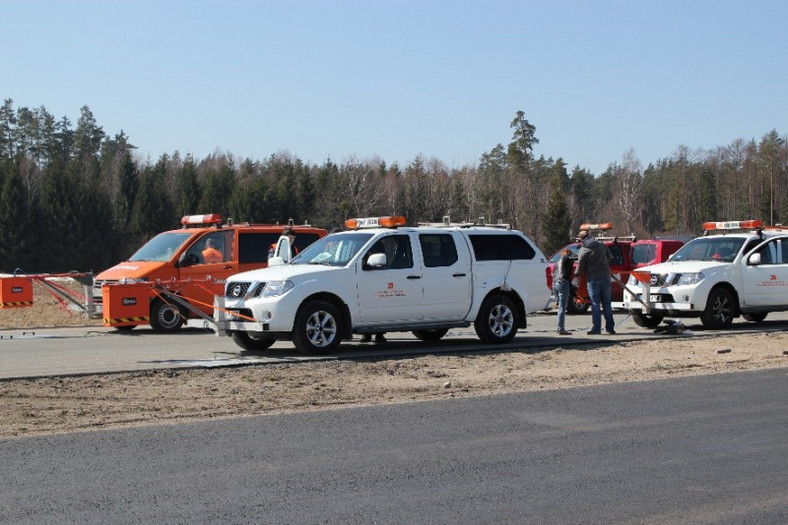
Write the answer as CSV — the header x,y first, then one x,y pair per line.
x,y
162,247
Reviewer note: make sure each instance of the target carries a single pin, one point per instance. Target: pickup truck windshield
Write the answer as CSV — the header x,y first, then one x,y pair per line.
x,y
333,250
723,249
161,248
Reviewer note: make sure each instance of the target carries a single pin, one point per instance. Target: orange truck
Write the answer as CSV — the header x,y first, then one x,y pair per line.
x,y
175,275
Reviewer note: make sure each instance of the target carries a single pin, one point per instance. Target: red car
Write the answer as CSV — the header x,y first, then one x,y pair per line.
x,y
628,254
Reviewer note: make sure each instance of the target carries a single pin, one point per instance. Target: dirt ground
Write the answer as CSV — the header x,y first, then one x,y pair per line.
x,y
73,404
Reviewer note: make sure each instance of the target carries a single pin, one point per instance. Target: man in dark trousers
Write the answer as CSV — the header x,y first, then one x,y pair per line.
x,y
594,262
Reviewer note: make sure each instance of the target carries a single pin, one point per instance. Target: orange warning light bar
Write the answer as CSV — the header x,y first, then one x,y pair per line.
x,y
733,225
604,226
392,221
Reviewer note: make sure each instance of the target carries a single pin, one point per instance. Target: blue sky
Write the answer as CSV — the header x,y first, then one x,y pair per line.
x,y
395,79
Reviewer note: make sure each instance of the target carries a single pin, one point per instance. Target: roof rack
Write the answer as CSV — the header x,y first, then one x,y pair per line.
x,y
446,223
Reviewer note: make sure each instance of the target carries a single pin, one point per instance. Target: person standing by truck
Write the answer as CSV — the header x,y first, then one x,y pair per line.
x,y
594,262
562,276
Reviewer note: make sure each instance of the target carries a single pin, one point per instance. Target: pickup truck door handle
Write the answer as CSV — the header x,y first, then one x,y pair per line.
x,y
228,267
414,276
458,275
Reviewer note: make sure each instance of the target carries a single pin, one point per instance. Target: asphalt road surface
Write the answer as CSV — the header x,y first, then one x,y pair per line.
x,y
95,349
700,450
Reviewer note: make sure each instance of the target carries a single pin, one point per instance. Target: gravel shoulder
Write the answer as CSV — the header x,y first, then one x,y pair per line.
x,y
102,401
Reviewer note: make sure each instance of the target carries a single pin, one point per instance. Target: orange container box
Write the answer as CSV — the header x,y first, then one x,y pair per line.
x,y
16,292
126,304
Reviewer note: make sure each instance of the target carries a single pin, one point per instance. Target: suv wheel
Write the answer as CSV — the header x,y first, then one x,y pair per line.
x,y
317,328
496,322
720,310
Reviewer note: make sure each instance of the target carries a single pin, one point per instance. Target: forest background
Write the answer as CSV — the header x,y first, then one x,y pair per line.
x,y
76,198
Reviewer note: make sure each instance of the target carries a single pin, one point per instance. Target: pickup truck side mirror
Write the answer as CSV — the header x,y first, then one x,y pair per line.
x,y
755,259
376,260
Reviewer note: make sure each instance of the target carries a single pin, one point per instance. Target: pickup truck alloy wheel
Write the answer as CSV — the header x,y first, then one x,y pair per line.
x,y
316,329
719,310
496,320
165,317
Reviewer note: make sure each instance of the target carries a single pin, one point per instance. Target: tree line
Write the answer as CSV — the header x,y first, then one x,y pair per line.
x,y
73,197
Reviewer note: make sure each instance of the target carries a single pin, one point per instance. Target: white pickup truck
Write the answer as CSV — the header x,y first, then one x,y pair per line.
x,y
381,276
741,270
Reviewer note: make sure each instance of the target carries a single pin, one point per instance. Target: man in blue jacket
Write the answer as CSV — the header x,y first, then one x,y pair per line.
x,y
594,262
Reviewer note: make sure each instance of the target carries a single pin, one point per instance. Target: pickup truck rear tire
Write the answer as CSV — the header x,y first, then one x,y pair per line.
x,y
496,322
165,317
647,320
252,343
317,328
431,335
720,309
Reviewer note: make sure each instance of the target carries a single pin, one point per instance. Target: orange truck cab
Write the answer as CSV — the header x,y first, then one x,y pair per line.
x,y
192,263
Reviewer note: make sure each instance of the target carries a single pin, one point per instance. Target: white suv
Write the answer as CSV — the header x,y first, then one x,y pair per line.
x,y
741,270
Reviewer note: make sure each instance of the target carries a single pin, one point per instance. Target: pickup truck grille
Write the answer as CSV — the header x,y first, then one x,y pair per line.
x,y
238,290
665,279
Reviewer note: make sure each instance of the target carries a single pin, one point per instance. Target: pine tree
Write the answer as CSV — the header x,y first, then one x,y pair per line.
x,y
15,222
557,222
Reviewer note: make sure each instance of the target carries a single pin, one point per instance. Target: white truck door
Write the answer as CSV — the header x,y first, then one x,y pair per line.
x,y
447,276
766,283
392,292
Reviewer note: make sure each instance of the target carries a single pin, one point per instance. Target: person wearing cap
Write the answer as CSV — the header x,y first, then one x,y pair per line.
x,y
594,262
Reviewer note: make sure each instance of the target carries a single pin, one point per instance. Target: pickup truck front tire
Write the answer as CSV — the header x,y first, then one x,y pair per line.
x,y
720,309
317,328
496,322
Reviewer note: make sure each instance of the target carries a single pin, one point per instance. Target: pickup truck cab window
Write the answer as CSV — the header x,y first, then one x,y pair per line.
x,y
397,250
501,247
438,249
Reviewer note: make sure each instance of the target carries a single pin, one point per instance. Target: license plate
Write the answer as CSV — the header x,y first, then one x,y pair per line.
x,y
657,298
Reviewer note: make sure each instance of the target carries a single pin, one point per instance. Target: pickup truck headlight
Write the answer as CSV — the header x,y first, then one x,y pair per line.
x,y
276,288
690,278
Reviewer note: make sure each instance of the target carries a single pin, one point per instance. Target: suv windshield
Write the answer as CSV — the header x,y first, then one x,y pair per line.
x,y
162,247
333,250
723,249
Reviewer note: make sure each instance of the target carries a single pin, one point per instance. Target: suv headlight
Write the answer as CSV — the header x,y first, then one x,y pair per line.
x,y
690,278
276,288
